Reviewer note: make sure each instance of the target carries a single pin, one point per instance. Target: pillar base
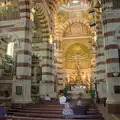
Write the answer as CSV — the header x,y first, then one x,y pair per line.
x,y
113,108
21,93
47,88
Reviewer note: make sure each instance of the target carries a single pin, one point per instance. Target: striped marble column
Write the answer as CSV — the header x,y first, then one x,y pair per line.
x,y
23,73
111,23
46,50
24,51
58,62
47,62
100,58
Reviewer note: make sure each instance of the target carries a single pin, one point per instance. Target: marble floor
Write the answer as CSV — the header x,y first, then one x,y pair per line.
x,y
116,117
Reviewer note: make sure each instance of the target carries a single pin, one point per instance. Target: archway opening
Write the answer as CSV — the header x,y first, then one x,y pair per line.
x,y
75,39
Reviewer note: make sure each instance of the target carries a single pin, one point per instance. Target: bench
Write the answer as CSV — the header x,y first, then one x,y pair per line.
x,y
37,115
50,109
51,112
23,118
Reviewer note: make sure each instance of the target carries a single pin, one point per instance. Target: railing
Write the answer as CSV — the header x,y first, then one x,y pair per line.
x,y
7,77
37,39
9,10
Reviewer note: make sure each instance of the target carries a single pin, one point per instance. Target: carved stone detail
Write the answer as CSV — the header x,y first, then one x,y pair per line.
x,y
76,29
116,4
111,14
20,23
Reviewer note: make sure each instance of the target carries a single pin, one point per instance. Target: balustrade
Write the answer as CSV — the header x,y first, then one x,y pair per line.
x,y
37,39
9,10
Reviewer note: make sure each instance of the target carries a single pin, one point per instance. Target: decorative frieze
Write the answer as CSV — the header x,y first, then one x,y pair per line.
x,y
111,14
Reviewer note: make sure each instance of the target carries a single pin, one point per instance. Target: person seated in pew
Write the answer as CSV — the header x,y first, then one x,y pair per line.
x,y
80,108
47,97
2,111
67,111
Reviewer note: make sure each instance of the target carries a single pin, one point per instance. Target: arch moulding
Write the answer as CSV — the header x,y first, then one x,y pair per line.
x,y
60,29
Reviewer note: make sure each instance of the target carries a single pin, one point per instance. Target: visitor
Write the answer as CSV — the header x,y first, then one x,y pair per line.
x,y
2,111
47,97
62,99
80,108
6,93
67,111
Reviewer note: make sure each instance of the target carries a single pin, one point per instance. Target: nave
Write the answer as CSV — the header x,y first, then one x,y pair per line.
x,y
51,45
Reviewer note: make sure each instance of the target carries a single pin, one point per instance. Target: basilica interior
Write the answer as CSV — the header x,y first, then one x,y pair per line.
x,y
46,45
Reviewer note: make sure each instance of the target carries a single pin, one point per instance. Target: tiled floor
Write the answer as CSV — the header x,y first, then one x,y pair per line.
x,y
116,117
106,115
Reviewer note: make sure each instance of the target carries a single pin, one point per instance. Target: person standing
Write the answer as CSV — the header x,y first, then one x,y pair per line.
x,y
62,99
47,97
2,111
6,93
80,108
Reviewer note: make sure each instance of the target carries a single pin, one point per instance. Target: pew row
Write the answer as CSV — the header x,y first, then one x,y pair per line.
x,y
46,112
36,115
26,118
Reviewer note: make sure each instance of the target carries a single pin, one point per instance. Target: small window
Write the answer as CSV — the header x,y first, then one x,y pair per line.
x,y
117,89
18,90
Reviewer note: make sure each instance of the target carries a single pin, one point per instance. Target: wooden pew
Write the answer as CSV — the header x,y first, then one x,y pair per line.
x,y
45,112
36,115
35,111
51,111
23,118
54,106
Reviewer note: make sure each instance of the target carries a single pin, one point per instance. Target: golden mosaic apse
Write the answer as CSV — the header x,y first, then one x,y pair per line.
x,y
77,53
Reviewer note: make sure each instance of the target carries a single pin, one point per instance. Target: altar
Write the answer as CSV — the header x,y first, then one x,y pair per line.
x,y
77,91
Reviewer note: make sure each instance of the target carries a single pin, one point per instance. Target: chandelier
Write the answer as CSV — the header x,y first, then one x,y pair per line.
x,y
75,1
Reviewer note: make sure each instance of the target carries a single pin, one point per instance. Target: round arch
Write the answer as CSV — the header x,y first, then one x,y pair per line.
x,y
78,52
11,37
54,4
61,29
47,22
